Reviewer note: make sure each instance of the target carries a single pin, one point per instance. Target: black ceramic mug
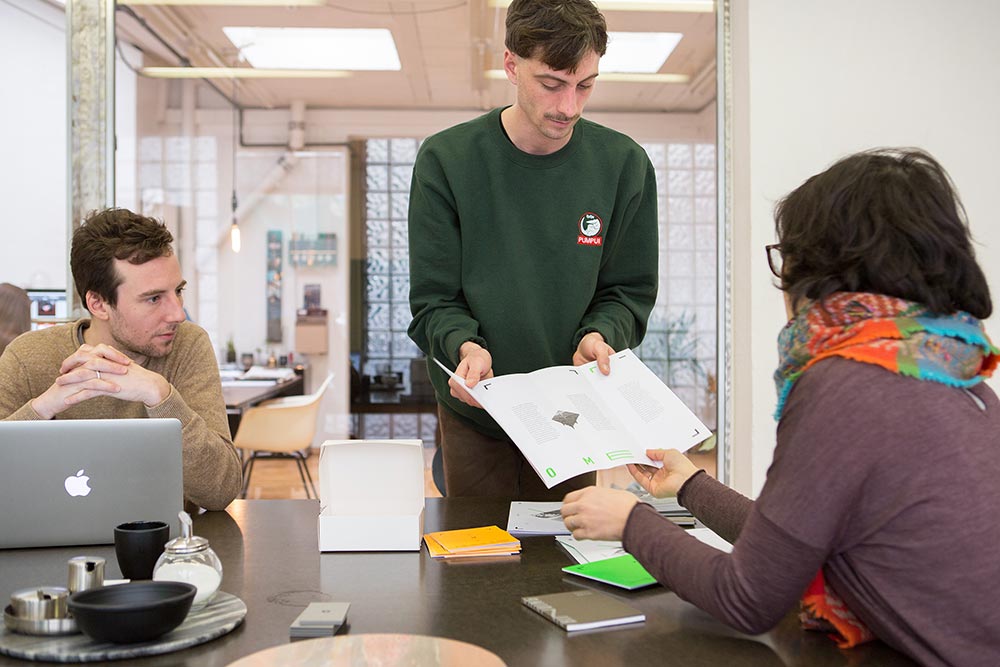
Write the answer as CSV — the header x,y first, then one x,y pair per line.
x,y
138,545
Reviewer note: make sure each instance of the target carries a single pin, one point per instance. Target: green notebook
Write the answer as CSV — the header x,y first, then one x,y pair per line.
x,y
622,571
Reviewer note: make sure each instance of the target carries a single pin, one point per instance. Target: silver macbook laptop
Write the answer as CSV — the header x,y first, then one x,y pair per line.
x,y
68,482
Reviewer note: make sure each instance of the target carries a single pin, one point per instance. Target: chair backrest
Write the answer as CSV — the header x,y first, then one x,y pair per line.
x,y
282,425
323,387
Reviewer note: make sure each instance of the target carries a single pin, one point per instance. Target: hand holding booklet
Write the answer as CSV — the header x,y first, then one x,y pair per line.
x,y
569,420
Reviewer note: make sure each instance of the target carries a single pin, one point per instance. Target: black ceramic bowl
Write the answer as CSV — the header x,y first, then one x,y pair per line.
x,y
134,612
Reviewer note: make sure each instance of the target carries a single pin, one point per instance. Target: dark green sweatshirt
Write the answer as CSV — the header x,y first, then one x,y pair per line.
x,y
524,254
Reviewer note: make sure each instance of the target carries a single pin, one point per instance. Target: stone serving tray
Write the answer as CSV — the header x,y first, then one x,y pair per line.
x,y
215,619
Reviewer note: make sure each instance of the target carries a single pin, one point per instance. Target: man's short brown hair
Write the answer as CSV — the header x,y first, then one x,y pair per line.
x,y
560,33
114,233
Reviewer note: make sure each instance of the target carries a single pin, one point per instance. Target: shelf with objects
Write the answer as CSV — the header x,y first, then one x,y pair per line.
x,y
388,392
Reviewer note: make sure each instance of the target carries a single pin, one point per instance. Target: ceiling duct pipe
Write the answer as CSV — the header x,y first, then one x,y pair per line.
x,y
297,126
284,166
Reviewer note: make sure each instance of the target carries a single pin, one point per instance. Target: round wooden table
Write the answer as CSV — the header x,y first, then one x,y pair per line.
x,y
375,650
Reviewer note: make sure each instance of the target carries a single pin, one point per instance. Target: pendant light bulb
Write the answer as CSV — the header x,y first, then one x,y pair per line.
x,y
234,236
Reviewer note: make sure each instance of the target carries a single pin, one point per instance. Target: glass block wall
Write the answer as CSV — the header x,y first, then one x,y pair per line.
x,y
680,341
177,172
387,348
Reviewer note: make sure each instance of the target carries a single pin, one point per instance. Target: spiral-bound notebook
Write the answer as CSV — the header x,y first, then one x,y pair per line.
x,y
583,610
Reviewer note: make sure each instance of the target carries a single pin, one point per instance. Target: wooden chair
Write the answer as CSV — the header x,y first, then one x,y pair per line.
x,y
437,471
281,428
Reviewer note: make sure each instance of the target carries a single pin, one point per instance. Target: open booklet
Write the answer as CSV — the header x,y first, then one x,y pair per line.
x,y
568,420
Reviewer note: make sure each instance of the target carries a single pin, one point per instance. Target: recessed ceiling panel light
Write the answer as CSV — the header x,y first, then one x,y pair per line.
x,y
653,6
702,6
240,73
614,77
229,3
638,52
316,48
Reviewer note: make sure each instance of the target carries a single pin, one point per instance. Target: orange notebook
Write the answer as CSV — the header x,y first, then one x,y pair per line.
x,y
491,538
438,551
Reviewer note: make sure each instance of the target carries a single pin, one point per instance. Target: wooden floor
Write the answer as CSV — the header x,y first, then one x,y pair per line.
x,y
280,478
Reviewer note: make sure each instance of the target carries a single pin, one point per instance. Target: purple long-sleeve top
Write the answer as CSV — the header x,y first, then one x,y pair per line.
x,y
888,483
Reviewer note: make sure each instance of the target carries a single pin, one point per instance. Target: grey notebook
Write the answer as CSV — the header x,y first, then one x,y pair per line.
x,y
583,610
68,482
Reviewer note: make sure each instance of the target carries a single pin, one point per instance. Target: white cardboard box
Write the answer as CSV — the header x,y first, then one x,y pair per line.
x,y
371,495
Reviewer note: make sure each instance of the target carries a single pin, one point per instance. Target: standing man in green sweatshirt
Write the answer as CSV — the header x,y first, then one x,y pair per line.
x,y
533,242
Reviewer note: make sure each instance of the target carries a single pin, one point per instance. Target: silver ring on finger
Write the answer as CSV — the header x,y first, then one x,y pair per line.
x,y
98,374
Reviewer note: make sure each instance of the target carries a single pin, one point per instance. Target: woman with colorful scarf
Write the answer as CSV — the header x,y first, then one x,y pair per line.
x,y
878,518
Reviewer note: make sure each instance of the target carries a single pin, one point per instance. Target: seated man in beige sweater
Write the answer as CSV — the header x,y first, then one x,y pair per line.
x,y
136,356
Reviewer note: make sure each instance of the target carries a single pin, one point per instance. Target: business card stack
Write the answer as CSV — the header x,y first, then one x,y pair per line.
x,y
472,543
319,619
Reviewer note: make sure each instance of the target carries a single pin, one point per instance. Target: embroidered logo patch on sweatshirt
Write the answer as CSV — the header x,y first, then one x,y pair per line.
x,y
591,227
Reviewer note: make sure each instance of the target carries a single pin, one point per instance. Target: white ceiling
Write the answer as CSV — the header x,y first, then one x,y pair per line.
x,y
444,46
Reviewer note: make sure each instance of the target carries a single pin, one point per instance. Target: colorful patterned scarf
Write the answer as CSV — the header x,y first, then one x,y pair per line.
x,y
900,336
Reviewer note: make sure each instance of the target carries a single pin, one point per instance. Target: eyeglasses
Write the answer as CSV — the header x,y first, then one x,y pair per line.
x,y
774,258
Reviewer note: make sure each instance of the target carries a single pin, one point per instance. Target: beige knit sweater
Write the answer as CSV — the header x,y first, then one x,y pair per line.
x,y
212,474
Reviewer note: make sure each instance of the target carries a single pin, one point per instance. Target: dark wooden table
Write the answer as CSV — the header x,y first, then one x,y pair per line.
x,y
240,397
269,552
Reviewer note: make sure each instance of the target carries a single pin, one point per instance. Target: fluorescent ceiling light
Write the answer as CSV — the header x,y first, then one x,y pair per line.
x,y
638,52
653,6
615,77
316,48
229,3
702,6
240,73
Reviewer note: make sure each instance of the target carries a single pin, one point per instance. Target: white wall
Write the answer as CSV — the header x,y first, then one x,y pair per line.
x,y
818,80
33,144
33,125
325,125
125,126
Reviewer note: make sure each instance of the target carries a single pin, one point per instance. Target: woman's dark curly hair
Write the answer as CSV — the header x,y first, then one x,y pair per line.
x,y
886,221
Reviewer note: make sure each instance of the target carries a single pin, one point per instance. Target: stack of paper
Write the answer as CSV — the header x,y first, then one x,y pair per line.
x,y
544,518
265,373
588,551
669,508
472,543
536,518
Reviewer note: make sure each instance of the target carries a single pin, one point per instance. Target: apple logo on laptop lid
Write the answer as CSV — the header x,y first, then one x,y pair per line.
x,y
77,485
